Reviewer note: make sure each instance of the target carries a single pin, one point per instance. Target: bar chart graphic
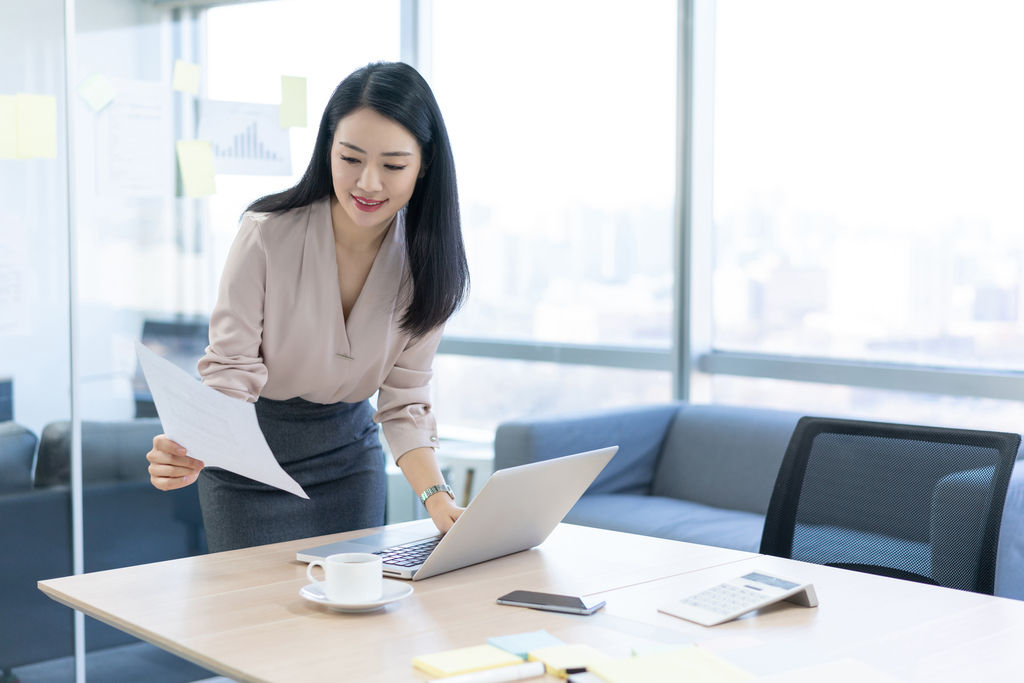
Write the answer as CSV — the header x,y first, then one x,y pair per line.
x,y
245,138
247,145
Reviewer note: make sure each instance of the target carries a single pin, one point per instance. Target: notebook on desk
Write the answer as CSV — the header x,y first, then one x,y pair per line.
x,y
516,509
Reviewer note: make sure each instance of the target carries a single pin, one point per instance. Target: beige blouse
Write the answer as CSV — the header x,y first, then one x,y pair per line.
x,y
278,329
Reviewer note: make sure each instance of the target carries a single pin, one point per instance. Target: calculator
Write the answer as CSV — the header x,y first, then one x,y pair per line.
x,y
731,599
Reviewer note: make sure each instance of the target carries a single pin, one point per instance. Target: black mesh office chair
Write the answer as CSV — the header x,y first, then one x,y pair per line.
x,y
916,503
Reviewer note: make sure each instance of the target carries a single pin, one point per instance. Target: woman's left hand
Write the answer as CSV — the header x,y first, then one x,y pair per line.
x,y
443,511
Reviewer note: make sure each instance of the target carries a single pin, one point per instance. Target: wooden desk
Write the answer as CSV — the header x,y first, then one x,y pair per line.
x,y
239,613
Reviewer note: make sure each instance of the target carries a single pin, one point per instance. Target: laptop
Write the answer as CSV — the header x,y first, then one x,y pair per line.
x,y
517,509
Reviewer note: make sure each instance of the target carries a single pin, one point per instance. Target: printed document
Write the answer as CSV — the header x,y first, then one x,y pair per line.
x,y
215,428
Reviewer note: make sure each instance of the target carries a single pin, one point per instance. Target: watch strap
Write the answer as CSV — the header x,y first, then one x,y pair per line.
x,y
434,489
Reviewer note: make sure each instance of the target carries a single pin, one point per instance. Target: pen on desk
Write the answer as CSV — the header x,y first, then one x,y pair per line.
x,y
516,672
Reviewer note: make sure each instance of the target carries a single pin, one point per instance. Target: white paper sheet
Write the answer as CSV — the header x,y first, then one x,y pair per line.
x,y
217,429
134,141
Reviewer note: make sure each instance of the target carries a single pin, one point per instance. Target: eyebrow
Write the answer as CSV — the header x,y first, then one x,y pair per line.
x,y
384,154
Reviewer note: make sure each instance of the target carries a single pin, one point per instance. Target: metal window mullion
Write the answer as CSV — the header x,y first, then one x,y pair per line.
x,y
77,519
1003,385
416,28
681,231
570,354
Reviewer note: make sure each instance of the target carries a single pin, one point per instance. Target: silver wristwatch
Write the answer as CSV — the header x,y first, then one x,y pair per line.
x,y
434,489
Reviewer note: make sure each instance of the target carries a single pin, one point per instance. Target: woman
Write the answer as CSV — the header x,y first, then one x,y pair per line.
x,y
335,289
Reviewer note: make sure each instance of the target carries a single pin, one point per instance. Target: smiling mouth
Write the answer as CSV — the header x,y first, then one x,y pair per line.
x,y
367,202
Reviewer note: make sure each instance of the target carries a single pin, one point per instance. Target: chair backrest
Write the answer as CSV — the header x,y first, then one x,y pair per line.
x,y
919,503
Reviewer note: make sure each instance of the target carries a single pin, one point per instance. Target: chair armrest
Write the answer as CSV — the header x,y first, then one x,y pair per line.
x,y
639,432
960,505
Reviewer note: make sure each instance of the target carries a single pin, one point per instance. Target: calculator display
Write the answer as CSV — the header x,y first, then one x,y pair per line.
x,y
771,581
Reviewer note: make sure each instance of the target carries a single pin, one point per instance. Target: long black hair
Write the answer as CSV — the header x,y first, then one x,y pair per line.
x,y
433,229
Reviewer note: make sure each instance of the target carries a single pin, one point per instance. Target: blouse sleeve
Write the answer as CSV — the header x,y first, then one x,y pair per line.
x,y
403,405
232,363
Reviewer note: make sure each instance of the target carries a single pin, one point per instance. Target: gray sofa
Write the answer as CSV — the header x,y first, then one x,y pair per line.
x,y
698,473
127,522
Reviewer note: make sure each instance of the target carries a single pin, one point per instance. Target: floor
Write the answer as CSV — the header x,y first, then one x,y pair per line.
x,y
134,663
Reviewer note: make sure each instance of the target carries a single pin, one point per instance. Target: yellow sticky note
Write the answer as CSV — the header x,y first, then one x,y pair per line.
x,y
37,126
97,91
292,113
8,127
679,666
561,657
186,77
464,660
195,160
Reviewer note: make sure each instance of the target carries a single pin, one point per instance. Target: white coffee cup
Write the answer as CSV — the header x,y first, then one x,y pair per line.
x,y
352,578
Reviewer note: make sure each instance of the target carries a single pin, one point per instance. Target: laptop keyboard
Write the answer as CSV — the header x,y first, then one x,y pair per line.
x,y
409,554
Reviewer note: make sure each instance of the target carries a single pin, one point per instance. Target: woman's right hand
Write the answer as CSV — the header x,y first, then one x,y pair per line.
x,y
169,466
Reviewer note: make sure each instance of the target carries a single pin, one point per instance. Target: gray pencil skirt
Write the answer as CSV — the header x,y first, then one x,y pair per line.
x,y
332,451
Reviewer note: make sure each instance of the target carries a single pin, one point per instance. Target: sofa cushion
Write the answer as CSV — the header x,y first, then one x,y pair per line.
x,y
724,456
639,432
17,448
677,520
111,451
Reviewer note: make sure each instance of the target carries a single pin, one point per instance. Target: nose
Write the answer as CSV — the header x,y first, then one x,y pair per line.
x,y
369,180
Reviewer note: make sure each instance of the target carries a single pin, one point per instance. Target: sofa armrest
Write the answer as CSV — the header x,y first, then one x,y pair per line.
x,y
17,448
638,432
1010,557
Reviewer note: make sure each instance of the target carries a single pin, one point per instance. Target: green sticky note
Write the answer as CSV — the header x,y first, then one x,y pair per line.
x,y
195,160
8,127
186,77
97,91
292,113
37,126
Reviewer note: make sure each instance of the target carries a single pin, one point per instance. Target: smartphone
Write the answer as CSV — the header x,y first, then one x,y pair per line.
x,y
551,603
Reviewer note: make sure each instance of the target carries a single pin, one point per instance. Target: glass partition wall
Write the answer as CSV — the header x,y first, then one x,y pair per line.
x,y
142,274
35,353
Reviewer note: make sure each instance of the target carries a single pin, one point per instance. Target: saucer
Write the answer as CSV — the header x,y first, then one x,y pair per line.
x,y
393,590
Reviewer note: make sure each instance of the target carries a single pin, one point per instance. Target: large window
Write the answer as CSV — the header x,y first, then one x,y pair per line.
x,y
562,118
563,128
868,180
866,189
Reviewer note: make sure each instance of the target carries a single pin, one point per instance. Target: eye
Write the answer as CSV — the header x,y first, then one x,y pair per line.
x,y
349,159
392,167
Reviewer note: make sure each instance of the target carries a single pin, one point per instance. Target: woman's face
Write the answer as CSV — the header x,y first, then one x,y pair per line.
x,y
375,163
